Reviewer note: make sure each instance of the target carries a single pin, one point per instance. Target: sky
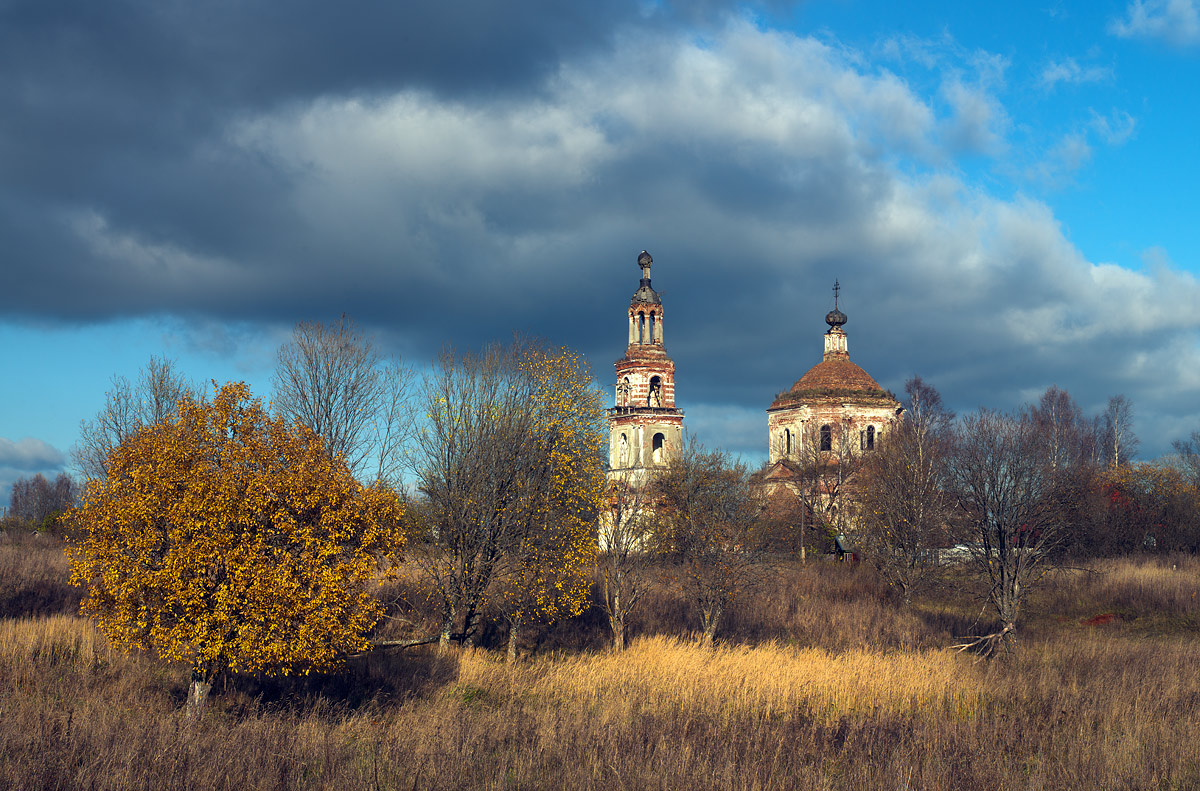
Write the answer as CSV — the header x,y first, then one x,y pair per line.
x,y
1006,192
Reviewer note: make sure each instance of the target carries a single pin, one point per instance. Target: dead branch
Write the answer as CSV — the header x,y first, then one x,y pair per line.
x,y
985,645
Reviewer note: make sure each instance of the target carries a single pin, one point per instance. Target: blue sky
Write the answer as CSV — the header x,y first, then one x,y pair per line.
x,y
1006,193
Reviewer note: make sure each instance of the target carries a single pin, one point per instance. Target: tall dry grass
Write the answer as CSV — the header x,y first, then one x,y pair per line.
x,y
823,682
34,576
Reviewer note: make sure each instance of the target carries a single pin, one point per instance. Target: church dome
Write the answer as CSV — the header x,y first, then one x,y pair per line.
x,y
835,376
645,295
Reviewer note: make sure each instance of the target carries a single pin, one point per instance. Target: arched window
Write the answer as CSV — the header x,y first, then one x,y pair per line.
x,y
623,391
641,332
656,450
651,333
787,442
624,458
654,397
870,438
826,438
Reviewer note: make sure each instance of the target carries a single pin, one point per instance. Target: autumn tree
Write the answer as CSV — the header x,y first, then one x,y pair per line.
x,y
229,540
511,470
626,531
332,379
128,407
705,517
549,571
1153,506
1009,495
904,503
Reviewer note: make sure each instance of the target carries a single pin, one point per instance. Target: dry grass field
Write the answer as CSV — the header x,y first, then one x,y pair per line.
x,y
822,681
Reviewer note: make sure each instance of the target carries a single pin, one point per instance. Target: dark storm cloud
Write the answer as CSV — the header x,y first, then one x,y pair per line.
x,y
119,112
230,169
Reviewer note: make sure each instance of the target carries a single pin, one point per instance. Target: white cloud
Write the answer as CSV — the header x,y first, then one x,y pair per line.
x,y
172,268
25,458
1175,21
1069,72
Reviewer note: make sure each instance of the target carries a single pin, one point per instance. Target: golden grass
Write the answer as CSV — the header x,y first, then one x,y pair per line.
x,y
823,684
731,683
1171,585
55,639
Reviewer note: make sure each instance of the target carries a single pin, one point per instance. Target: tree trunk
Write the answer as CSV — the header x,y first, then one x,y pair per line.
x,y
618,629
197,694
447,628
514,628
803,511
468,637
709,618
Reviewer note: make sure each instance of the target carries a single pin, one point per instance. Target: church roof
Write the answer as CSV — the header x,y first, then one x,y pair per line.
x,y
834,377
645,295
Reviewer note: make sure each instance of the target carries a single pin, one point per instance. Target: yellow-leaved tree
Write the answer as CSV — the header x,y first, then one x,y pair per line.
x,y
229,540
512,475
548,575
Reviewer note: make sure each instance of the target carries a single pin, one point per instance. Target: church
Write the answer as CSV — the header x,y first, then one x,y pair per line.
x,y
645,427
836,410
836,407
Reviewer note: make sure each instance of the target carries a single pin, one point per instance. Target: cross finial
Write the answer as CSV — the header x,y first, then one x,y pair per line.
x,y
836,288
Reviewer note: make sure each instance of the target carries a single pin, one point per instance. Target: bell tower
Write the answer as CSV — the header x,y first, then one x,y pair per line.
x,y
645,428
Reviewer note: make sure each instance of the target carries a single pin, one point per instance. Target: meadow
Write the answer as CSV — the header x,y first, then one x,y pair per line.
x,y
821,680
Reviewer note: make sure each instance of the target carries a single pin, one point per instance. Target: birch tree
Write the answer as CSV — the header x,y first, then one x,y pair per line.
x,y
626,532
705,522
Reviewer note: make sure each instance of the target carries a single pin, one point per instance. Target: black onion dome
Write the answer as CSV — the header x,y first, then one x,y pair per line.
x,y
645,294
835,318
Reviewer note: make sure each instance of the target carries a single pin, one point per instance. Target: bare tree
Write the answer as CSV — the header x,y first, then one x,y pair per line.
x,y
39,504
331,379
626,541
128,408
904,505
1119,440
1064,431
824,468
512,443
1008,492
1189,456
706,515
